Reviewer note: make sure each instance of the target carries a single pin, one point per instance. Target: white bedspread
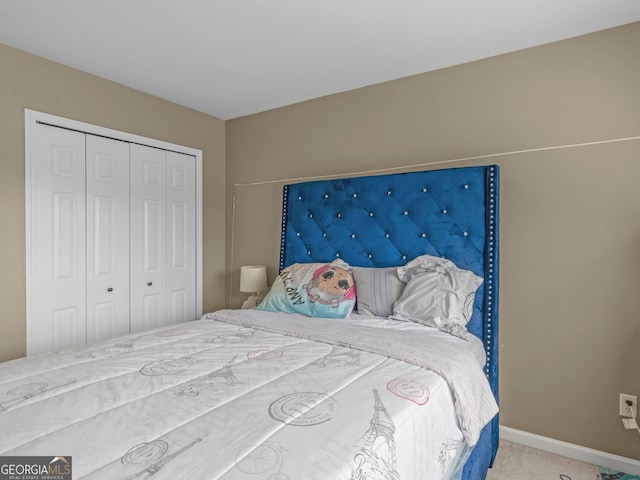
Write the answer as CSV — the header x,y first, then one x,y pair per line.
x,y
445,354
227,397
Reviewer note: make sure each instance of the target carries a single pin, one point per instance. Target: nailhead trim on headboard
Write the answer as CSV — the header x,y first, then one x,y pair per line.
x,y
285,203
491,293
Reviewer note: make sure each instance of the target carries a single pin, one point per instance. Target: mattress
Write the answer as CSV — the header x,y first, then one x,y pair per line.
x,y
242,394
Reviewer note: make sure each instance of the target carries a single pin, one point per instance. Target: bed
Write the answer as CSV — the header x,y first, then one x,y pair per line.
x,y
361,382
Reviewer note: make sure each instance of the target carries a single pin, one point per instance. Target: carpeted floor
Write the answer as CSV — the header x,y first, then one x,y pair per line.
x,y
517,462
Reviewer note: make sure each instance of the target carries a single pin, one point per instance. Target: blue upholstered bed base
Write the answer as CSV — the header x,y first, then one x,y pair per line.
x,y
387,220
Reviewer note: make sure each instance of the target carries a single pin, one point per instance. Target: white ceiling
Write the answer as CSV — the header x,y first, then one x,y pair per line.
x,y
230,58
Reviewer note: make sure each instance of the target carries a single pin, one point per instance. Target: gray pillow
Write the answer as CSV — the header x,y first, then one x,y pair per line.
x,y
377,289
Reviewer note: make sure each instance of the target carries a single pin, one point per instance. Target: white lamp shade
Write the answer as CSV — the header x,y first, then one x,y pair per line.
x,y
253,278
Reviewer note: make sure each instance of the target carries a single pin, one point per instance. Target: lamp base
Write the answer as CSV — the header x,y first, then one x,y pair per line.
x,y
251,302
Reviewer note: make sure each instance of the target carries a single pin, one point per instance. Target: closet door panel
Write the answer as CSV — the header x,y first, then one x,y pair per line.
x,y
148,237
181,238
107,238
57,232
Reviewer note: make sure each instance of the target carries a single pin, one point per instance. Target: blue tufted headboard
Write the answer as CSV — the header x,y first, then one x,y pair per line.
x,y
387,220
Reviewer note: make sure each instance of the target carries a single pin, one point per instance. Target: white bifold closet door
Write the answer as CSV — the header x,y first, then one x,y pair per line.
x,y
58,227
163,258
115,229
107,218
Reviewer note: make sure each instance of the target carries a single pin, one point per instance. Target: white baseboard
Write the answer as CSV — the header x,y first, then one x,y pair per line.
x,y
569,450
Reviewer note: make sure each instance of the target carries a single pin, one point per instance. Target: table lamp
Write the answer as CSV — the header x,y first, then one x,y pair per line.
x,y
253,279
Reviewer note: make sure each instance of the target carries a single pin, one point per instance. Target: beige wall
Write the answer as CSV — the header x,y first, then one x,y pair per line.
x,y
570,327
27,81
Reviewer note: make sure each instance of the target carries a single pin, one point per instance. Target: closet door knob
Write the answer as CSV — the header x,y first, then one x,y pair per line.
x,y
109,289
149,283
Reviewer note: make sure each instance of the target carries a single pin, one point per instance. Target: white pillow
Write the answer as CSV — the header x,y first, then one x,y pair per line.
x,y
437,294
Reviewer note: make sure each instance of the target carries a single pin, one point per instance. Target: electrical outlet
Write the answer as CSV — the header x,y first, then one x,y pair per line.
x,y
628,410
